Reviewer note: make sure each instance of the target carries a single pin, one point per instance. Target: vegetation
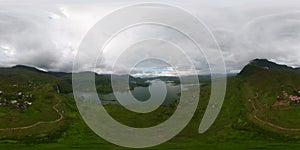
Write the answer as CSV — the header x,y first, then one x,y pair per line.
x,y
252,105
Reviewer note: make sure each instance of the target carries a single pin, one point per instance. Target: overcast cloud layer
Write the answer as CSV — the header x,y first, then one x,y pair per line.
x,y
47,35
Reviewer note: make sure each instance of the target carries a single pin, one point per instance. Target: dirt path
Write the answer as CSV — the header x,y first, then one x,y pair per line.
x,y
40,122
264,121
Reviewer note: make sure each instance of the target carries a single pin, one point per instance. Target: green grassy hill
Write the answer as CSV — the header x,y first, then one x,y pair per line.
x,y
262,84
255,114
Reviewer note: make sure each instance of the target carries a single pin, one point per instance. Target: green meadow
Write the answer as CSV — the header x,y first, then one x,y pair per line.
x,y
250,106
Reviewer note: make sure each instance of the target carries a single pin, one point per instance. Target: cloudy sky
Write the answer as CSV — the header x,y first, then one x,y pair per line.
x,y
47,34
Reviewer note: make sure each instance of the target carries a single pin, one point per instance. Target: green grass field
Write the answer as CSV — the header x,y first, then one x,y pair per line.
x,y
235,128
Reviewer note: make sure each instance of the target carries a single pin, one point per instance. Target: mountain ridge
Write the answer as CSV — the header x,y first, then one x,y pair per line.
x,y
257,65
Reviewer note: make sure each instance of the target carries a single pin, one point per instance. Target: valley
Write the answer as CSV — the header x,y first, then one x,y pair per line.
x,y
260,111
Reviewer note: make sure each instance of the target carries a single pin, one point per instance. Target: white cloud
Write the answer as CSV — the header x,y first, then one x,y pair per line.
x,y
47,34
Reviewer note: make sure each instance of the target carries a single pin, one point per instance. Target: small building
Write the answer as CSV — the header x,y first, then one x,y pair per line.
x,y
20,93
1,92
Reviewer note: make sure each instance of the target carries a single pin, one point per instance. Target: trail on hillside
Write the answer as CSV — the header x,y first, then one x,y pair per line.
x,y
264,121
40,122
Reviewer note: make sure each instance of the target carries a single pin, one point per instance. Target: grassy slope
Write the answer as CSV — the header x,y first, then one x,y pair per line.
x,y
231,130
269,83
234,127
45,97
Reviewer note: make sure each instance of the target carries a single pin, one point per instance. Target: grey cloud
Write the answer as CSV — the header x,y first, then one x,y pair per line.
x,y
28,36
48,35
272,36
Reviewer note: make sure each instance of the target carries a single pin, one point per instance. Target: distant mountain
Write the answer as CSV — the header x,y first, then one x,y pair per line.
x,y
257,65
26,68
206,79
22,73
23,67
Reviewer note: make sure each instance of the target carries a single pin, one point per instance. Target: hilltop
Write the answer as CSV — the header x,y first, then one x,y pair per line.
x,y
257,65
270,93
